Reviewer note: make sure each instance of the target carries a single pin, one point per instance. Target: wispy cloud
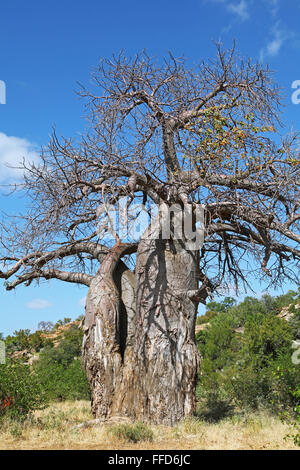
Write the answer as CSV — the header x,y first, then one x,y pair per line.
x,y
38,304
274,6
240,9
278,37
12,151
226,29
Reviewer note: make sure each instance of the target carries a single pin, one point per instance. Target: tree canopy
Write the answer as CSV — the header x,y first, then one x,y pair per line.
x,y
166,132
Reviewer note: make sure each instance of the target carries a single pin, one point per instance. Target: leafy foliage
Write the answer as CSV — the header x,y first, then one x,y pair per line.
x,y
20,391
213,308
59,368
56,374
65,321
24,340
297,409
61,382
247,357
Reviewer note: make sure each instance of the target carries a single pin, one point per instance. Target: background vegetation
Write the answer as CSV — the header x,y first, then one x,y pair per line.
x,y
41,367
246,352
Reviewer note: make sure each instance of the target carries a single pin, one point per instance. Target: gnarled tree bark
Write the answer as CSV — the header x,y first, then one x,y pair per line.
x,y
108,331
166,351
139,346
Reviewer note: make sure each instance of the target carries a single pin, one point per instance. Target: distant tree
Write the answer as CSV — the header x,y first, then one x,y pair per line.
x,y
22,339
36,341
45,326
213,308
62,322
222,306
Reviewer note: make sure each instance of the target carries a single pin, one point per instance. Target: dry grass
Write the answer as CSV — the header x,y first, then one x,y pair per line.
x,y
55,428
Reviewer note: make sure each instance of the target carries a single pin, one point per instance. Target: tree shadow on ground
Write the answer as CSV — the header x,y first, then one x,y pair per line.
x,y
214,411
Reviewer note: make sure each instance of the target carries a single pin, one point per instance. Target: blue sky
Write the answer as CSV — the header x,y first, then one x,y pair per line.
x,y
47,47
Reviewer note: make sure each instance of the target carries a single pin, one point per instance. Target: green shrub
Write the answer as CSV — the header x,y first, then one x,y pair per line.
x,y
132,432
59,368
250,388
246,358
295,424
295,324
63,382
296,437
69,348
57,372
20,391
286,379
24,340
223,306
209,315
18,342
266,337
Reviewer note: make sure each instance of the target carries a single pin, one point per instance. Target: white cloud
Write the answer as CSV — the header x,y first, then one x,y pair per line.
x,y
274,6
82,301
240,9
38,304
226,29
278,37
12,151
273,47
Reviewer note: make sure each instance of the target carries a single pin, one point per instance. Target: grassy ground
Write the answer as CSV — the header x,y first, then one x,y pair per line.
x,y
55,428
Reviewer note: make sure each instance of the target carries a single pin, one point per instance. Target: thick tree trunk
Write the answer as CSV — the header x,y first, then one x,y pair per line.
x,y
139,346
166,351
108,332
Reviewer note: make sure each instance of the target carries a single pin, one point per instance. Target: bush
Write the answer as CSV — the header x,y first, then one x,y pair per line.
x,y
214,308
296,437
295,324
266,337
57,371
59,368
246,358
61,382
206,318
132,432
20,391
19,341
286,380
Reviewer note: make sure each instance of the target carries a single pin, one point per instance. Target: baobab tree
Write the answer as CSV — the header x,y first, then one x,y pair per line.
x,y
169,135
